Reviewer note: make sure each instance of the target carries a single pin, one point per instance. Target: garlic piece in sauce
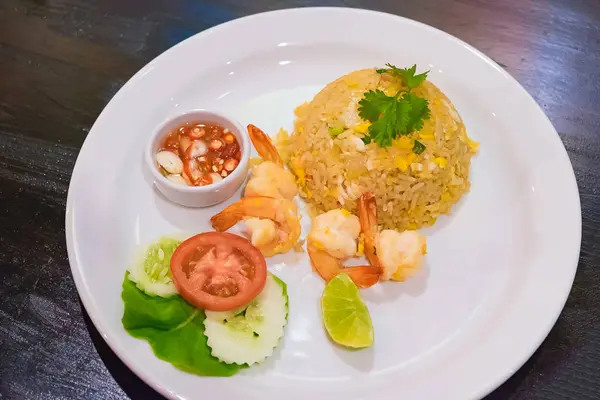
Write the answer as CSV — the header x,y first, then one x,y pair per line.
x,y
177,179
170,162
184,143
215,177
197,149
230,164
215,144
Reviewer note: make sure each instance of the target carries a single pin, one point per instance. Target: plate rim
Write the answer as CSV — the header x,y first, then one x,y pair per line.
x,y
69,217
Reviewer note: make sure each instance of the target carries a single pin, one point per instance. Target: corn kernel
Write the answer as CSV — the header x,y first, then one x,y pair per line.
x,y
446,197
362,128
351,84
401,163
404,142
441,162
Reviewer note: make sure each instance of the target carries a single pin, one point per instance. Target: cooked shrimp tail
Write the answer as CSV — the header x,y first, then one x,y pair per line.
x,y
264,146
328,267
363,276
367,214
228,217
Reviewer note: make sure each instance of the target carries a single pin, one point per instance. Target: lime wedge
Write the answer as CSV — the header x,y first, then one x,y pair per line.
x,y
345,316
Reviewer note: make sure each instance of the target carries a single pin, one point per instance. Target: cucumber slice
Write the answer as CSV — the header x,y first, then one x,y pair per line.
x,y
249,334
151,271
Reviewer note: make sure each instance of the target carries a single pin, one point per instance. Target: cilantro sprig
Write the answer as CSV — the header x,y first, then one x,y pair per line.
x,y
406,74
393,116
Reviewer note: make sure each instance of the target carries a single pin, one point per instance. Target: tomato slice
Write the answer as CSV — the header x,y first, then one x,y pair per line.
x,y
218,271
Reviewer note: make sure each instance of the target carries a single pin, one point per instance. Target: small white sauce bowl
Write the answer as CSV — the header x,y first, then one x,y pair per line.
x,y
199,196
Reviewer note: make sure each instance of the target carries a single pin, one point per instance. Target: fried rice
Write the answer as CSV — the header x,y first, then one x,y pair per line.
x,y
333,166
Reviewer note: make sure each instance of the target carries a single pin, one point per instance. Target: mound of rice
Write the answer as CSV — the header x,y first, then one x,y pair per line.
x,y
333,169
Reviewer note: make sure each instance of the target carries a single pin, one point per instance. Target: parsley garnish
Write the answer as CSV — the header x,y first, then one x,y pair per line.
x,y
393,116
406,74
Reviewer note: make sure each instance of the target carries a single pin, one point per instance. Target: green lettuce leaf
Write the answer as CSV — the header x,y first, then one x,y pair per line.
x,y
174,329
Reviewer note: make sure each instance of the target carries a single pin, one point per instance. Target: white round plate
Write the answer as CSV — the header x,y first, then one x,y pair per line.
x,y
498,271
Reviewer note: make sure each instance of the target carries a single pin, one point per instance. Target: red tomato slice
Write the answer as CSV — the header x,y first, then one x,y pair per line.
x,y
218,271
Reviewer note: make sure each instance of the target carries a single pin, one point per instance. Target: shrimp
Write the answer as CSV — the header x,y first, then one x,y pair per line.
x,y
262,231
280,211
337,231
367,214
265,148
399,255
332,239
269,179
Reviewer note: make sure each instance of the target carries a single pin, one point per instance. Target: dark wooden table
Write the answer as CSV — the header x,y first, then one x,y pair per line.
x,y
62,60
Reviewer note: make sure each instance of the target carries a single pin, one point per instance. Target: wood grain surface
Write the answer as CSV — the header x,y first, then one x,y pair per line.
x,y
61,61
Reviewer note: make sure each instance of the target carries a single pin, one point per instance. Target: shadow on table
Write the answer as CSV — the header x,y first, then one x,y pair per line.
x,y
136,389
133,386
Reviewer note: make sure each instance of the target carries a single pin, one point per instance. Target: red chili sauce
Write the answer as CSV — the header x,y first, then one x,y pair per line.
x,y
208,151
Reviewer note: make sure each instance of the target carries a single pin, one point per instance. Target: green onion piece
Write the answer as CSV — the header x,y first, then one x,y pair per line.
x,y
419,147
335,131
